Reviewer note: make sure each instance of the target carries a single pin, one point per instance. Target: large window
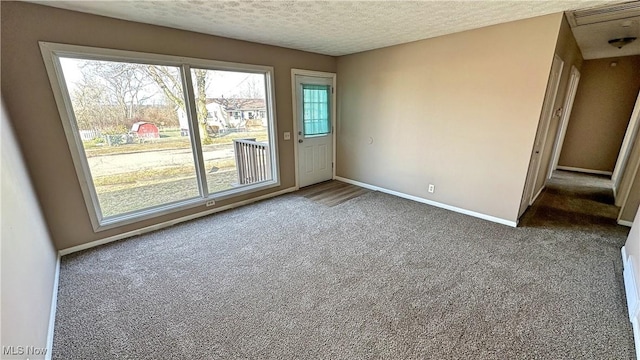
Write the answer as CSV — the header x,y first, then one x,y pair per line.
x,y
152,134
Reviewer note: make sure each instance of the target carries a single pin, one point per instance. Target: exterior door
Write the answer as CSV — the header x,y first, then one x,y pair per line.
x,y
534,183
314,107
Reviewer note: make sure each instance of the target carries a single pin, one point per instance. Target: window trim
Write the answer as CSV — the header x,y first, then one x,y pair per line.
x,y
50,54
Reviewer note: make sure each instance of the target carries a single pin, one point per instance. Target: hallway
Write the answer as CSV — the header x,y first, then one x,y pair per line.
x,y
575,201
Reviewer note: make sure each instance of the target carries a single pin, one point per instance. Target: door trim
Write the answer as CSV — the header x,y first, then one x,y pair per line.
x,y
546,112
294,103
574,80
633,173
633,128
547,116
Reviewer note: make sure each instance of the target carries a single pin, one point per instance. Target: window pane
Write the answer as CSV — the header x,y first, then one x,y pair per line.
x,y
234,127
129,117
315,109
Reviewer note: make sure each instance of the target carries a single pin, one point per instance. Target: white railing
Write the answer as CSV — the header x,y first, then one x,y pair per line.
x,y
86,135
253,161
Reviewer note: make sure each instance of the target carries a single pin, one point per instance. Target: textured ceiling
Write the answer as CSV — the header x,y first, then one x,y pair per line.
x,y
593,39
326,27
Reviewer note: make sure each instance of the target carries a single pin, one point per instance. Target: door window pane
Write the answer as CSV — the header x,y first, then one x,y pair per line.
x,y
128,119
315,109
233,127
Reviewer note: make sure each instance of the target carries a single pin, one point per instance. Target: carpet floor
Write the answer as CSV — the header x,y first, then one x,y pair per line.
x,y
332,193
375,276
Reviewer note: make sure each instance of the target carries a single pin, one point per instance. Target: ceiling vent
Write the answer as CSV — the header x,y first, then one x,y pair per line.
x,y
604,13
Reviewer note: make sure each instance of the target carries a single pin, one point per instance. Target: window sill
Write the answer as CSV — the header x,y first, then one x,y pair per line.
x,y
155,212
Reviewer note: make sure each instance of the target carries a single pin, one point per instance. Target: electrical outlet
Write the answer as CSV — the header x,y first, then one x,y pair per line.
x,y
211,202
432,188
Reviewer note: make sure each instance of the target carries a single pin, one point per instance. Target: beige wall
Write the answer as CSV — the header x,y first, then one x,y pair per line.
x,y
31,106
28,256
458,111
601,113
567,49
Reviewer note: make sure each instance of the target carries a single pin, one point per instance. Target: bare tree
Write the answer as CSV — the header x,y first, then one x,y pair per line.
x,y
110,94
90,111
160,114
170,83
127,84
251,88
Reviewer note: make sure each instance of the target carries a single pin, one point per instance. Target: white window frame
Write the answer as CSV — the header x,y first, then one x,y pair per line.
x,y
51,52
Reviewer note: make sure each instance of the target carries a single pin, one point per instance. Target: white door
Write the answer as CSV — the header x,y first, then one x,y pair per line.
x,y
627,144
314,107
533,186
564,120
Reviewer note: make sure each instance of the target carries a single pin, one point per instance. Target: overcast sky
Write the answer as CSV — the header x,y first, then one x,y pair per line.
x,y
221,83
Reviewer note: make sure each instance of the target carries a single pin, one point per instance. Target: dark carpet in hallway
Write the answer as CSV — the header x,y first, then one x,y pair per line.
x,y
577,201
375,276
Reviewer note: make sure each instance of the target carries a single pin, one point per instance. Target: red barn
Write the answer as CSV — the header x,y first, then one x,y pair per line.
x,y
145,130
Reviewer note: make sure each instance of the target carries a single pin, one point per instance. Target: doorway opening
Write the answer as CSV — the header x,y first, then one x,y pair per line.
x,y
602,131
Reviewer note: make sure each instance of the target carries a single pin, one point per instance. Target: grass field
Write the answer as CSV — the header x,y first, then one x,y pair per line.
x,y
158,193
123,192
168,140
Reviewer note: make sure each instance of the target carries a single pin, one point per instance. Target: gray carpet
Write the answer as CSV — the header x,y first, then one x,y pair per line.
x,y
373,277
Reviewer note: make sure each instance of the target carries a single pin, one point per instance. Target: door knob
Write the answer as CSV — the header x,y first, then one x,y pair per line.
x,y
300,141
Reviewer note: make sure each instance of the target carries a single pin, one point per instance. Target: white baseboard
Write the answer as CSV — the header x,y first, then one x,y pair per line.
x,y
430,202
625,223
170,223
630,285
588,171
52,315
631,293
624,256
